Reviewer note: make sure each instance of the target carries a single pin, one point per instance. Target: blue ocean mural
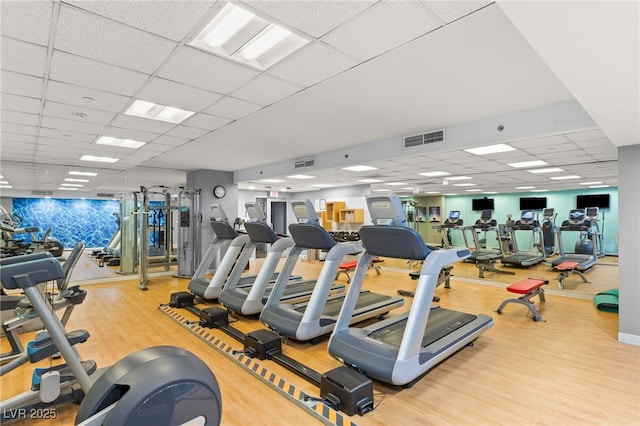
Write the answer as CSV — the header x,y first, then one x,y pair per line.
x,y
71,220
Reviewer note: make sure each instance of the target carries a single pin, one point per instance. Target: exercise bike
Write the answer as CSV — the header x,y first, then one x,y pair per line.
x,y
154,386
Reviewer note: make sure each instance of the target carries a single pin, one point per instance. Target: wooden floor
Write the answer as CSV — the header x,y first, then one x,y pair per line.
x,y
569,370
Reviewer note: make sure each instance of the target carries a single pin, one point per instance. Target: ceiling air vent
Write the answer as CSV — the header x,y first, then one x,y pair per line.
x,y
42,193
423,139
105,195
304,163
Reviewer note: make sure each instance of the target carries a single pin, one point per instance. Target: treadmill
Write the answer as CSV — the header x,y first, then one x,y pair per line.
x,y
585,248
402,348
519,257
228,243
249,300
317,317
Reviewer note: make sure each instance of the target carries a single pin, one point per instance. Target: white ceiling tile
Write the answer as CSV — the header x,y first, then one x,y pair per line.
x,y
95,75
22,57
596,143
66,134
19,118
15,137
21,84
19,129
85,97
362,38
63,143
539,143
70,112
586,135
119,132
155,147
206,71
187,132
170,19
170,140
167,92
71,125
206,121
143,124
266,90
233,108
449,11
315,18
94,37
26,20
312,64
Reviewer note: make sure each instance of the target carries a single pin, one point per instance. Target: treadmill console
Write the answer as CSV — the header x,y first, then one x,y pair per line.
x,y
218,213
453,219
548,213
591,213
576,217
305,212
527,216
486,220
255,212
386,210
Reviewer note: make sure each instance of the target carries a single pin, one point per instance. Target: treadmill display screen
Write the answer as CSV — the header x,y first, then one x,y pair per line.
x,y
454,215
576,216
527,215
486,215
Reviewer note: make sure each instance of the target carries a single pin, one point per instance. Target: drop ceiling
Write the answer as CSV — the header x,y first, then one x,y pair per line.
x,y
373,73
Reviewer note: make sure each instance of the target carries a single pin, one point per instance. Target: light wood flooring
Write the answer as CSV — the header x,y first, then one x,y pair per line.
x,y
569,370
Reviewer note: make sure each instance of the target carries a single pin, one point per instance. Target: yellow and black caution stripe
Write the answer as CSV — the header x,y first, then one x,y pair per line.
x,y
310,404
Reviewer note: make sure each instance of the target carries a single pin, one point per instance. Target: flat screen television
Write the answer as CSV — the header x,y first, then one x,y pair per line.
x,y
592,200
533,203
479,204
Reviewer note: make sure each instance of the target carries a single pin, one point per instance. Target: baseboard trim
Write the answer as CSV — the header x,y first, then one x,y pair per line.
x,y
630,339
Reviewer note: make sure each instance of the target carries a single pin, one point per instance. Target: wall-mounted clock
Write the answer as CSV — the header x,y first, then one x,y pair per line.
x,y
219,191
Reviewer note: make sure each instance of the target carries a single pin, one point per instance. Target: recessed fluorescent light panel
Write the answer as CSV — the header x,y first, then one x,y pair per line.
x,y
599,186
525,187
490,149
76,173
370,180
322,185
565,177
539,190
464,184
396,183
547,170
359,168
434,174
272,180
590,183
523,164
62,188
158,112
239,35
6,186
458,178
75,180
98,159
301,177
77,185
123,143
473,190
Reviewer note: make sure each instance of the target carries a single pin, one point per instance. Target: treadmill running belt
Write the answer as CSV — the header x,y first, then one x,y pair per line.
x,y
333,306
441,322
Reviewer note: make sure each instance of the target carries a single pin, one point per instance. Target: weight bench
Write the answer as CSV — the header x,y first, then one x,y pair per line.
x,y
528,288
566,269
347,267
443,277
487,263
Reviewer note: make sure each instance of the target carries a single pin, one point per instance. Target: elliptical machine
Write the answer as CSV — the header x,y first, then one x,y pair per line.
x,y
153,386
